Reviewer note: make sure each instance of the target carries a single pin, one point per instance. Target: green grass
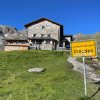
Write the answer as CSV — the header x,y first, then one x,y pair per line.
x,y
58,82
87,60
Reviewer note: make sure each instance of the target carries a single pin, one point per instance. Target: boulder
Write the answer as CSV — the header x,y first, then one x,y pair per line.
x,y
36,70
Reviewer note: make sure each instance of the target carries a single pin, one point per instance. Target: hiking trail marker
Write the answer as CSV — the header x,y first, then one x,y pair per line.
x,y
84,49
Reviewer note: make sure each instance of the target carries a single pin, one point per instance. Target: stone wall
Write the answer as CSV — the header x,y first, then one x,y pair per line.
x,y
16,47
46,46
46,28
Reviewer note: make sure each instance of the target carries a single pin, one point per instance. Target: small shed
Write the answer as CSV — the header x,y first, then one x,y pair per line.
x,y
16,44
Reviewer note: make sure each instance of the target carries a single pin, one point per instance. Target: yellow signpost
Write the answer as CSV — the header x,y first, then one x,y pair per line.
x,y
84,49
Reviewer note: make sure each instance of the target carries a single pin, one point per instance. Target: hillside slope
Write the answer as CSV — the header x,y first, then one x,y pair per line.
x,y
58,82
95,36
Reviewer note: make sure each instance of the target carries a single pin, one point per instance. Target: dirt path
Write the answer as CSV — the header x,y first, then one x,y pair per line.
x,y
80,68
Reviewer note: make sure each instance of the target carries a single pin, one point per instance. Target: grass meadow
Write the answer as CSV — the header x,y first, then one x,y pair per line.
x,y
57,82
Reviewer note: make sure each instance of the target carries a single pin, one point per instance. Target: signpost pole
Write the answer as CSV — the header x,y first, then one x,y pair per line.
x,y
85,88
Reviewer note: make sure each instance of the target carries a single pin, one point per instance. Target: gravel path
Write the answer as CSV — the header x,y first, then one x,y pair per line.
x,y
90,74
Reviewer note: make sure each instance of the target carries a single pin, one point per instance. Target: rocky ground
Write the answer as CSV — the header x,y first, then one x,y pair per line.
x,y
90,73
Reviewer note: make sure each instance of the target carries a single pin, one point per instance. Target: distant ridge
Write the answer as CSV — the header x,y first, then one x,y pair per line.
x,y
11,32
8,29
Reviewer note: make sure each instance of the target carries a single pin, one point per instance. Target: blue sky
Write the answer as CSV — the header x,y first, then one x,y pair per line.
x,y
77,16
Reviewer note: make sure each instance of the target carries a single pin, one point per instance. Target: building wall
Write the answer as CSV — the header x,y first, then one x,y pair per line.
x,y
46,46
49,28
15,47
68,38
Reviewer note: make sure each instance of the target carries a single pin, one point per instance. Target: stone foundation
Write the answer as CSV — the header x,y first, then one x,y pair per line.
x,y
46,47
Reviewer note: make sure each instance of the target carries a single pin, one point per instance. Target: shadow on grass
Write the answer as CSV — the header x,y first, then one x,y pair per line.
x,y
84,98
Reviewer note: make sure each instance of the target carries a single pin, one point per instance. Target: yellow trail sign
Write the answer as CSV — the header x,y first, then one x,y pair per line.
x,y
84,48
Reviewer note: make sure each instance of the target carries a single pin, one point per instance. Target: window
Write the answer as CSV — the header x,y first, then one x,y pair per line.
x,y
42,27
34,35
48,35
42,35
47,42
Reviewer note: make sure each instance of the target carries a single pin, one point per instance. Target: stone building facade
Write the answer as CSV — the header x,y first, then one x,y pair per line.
x,y
45,34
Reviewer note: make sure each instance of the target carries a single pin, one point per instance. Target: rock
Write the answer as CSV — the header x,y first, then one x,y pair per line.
x,y
99,63
11,32
94,60
7,29
98,82
36,70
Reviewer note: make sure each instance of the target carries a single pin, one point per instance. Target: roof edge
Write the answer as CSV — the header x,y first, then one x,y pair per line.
x,y
39,20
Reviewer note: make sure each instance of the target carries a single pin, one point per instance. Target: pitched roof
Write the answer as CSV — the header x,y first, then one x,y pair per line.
x,y
16,39
40,20
68,35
